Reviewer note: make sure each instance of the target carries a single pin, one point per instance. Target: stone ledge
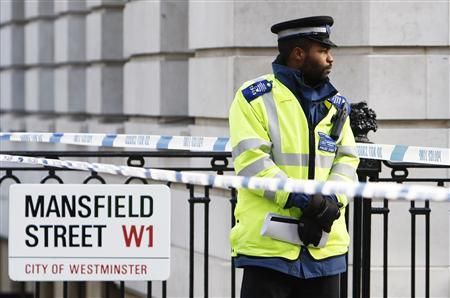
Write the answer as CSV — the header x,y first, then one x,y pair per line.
x,y
12,90
39,95
12,39
69,7
12,11
104,36
155,26
70,34
164,84
70,89
104,87
96,4
38,9
39,42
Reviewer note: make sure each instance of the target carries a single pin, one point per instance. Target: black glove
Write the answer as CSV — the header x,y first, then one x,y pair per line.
x,y
324,209
309,231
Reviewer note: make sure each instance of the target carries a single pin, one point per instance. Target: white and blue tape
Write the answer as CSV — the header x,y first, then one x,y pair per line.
x,y
395,153
189,143
392,191
401,153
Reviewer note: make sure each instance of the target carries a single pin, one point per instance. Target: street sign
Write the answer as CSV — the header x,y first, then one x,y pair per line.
x,y
89,232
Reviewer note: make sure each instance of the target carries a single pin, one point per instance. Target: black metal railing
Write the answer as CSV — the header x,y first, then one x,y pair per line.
x,y
218,163
211,162
370,170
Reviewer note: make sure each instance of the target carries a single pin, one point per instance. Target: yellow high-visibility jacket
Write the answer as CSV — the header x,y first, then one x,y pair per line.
x,y
270,137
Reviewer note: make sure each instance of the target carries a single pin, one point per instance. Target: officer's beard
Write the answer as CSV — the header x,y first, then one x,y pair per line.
x,y
314,75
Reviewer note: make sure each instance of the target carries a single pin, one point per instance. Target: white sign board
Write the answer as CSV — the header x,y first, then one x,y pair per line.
x,y
89,232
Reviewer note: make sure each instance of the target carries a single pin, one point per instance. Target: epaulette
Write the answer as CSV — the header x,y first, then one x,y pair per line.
x,y
338,100
257,89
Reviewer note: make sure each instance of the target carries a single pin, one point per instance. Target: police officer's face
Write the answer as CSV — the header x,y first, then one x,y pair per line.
x,y
317,64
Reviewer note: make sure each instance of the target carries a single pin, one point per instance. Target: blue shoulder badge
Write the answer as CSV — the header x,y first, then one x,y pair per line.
x,y
257,89
338,101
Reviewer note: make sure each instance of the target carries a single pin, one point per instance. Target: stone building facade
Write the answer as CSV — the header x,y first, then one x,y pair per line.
x,y
172,67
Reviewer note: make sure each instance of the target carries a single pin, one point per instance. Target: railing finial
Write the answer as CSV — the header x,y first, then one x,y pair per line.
x,y
362,120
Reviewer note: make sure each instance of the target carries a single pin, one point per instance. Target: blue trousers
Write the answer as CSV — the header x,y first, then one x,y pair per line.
x,y
260,282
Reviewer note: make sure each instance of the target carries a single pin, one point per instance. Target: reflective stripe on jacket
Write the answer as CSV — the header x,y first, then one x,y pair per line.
x,y
271,138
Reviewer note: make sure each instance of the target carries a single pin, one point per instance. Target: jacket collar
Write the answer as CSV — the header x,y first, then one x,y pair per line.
x,y
293,80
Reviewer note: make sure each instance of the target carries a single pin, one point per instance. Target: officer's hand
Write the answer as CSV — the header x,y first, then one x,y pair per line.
x,y
297,199
324,209
309,231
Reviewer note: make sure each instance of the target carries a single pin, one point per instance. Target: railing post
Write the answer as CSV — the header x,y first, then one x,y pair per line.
x,y
427,249
37,289
65,290
344,276
191,241
149,289
362,120
82,289
233,202
384,211
164,289
206,201
357,220
366,245
122,289
414,212
192,201
368,170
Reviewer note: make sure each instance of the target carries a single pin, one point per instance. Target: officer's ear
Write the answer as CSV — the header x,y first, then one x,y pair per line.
x,y
298,54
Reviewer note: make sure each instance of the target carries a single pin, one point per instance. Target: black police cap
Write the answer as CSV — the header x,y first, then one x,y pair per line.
x,y
316,28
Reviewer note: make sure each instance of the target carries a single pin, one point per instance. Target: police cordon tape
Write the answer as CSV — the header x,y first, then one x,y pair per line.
x,y
392,191
394,153
189,143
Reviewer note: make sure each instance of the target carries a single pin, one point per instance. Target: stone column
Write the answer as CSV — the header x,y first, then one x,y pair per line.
x,y
39,76
70,56
12,56
104,39
155,46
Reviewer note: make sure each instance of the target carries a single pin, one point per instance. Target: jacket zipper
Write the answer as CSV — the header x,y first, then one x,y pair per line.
x,y
312,152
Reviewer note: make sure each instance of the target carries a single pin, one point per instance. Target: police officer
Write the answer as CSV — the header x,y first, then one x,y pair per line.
x,y
293,124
